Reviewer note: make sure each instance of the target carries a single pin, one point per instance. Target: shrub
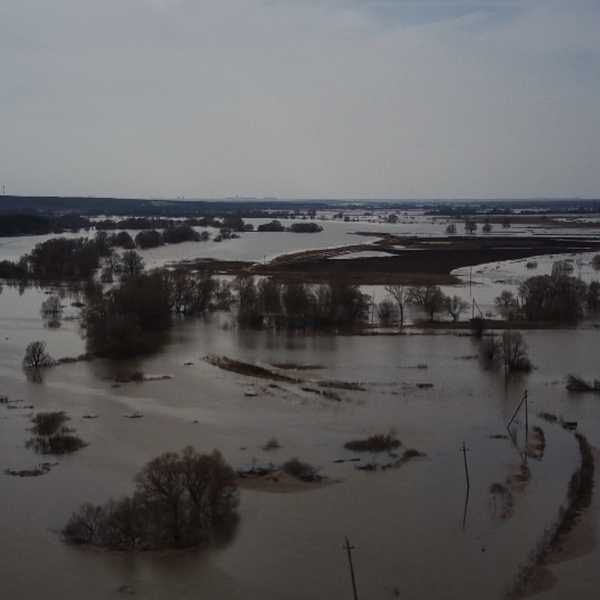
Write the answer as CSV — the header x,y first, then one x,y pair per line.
x,y
48,423
374,443
272,444
58,443
300,470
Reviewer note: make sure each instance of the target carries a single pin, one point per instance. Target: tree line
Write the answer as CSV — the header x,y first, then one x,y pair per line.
x,y
133,318
555,297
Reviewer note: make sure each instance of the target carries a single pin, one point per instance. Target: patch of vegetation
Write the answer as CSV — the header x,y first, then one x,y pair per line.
x,y
374,443
300,470
48,423
58,443
42,469
537,443
547,417
51,436
272,444
577,384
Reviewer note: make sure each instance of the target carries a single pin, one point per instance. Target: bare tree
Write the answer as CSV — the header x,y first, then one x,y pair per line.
x,y
505,299
131,262
400,294
455,306
429,297
51,307
36,355
512,352
84,525
387,311
470,226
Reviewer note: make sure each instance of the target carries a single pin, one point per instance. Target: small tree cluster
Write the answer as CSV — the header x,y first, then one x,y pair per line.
x,y
508,350
267,303
178,499
556,297
432,301
51,436
133,317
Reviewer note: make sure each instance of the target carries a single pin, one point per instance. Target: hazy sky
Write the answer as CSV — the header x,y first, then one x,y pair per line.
x,y
300,98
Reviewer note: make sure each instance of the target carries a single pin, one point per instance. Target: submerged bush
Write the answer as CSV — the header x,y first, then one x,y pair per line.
x,y
51,436
300,470
47,423
59,443
374,443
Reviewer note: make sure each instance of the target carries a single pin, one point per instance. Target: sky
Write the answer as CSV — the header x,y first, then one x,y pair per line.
x,y
388,99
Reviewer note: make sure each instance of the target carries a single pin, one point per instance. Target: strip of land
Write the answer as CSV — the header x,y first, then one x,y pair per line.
x,y
408,261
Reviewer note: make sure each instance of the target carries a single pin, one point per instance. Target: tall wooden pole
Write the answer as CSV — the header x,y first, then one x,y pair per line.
x,y
349,548
464,451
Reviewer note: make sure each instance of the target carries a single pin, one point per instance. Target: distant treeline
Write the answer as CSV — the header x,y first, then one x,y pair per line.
x,y
274,208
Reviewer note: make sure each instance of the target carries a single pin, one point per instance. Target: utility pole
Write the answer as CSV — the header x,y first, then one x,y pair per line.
x,y
349,548
524,401
464,450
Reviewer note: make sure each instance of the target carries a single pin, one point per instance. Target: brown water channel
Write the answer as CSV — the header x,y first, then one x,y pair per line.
x,y
406,524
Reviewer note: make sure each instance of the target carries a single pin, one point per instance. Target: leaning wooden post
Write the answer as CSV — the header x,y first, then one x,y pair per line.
x,y
516,411
464,451
349,548
526,419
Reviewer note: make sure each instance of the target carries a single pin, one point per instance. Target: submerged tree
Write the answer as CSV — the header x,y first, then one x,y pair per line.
x,y
179,498
36,355
455,306
400,294
429,297
51,307
512,352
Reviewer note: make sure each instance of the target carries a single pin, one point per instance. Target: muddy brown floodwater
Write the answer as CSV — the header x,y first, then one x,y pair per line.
x,y
413,534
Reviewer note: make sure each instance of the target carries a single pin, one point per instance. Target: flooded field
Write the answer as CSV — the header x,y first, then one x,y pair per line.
x,y
416,533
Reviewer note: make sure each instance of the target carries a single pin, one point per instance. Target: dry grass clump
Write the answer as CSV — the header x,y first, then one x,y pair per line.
x,y
515,484
548,417
537,444
374,443
128,377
